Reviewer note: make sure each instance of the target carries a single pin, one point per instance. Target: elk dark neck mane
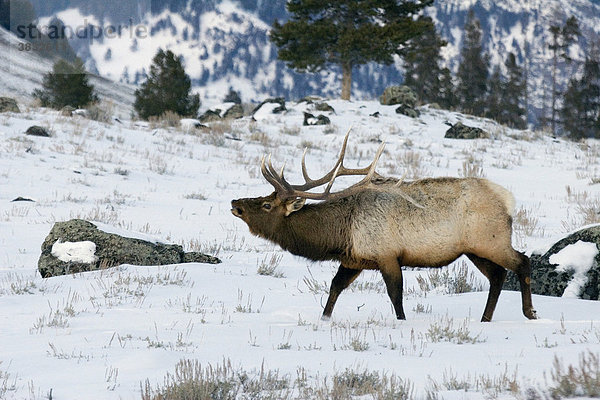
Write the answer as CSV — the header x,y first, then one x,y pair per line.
x,y
314,233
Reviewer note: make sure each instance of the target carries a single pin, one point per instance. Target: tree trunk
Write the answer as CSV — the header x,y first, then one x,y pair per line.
x,y
346,80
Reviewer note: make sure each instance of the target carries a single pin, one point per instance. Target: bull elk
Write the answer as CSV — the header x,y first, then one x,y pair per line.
x,y
385,223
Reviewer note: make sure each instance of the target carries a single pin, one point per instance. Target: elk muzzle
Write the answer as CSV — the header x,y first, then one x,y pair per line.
x,y
236,208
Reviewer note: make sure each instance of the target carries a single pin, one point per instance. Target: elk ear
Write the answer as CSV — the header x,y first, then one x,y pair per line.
x,y
294,205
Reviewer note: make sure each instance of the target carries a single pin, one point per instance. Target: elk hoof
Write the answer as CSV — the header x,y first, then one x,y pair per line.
x,y
531,314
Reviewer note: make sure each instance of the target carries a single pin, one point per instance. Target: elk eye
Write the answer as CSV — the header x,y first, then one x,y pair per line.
x,y
267,206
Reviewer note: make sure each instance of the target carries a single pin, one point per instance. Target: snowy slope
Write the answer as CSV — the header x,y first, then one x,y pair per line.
x,y
22,71
99,335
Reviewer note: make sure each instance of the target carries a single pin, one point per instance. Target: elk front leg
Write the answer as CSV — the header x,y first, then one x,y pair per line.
x,y
392,276
342,279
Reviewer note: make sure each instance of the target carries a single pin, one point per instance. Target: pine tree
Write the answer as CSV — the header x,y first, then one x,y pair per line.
x,y
493,102
67,84
514,95
473,69
166,89
346,33
446,97
423,66
562,39
581,105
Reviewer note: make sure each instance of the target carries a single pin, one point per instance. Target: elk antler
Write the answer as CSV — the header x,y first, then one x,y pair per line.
x,y
285,190
339,166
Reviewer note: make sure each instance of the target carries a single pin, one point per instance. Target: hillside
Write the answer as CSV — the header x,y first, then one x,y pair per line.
x,y
22,71
101,334
225,43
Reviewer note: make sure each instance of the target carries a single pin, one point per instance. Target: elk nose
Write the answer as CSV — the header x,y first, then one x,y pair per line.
x,y
235,210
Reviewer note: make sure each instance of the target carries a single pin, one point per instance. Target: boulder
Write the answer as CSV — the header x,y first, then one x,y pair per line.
x,y
399,95
8,104
320,119
223,111
67,111
274,110
324,107
571,268
78,246
235,112
211,115
37,131
460,131
408,111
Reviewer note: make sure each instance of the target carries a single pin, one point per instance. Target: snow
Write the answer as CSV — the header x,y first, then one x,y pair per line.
x,y
579,258
69,334
79,252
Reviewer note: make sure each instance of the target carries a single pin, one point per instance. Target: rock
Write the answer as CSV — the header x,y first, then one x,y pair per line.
x,y
8,104
309,99
81,247
37,131
310,119
187,124
211,115
399,95
274,110
324,107
67,111
376,114
223,111
549,279
20,198
460,131
235,112
408,111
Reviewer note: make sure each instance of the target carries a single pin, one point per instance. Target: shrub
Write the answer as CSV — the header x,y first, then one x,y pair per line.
x,y
66,85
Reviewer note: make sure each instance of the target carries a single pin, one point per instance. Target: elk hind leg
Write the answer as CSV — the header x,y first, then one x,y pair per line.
x,y
342,279
392,276
496,275
519,264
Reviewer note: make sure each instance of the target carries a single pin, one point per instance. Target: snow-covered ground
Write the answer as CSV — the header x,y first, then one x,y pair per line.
x,y
98,335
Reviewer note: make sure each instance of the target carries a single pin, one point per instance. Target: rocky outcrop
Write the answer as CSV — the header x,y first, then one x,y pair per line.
x,y
569,268
461,131
320,119
37,131
8,104
78,246
269,106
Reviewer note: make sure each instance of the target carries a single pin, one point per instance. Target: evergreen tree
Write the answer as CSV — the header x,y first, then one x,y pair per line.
x,y
347,33
166,89
581,105
67,84
446,96
232,97
423,66
495,96
562,38
473,69
514,94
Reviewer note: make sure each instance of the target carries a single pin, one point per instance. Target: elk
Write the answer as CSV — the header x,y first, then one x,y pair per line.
x,y
384,223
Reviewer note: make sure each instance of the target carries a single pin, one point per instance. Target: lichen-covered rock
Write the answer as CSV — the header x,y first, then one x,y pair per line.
x,y
324,107
37,131
234,112
547,280
320,119
399,95
408,111
210,116
274,110
67,111
461,131
109,249
8,104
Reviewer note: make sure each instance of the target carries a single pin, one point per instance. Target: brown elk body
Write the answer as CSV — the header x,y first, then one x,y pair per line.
x,y
383,224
